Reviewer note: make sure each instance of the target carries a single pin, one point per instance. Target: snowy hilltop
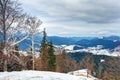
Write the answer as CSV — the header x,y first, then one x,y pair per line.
x,y
96,50
40,75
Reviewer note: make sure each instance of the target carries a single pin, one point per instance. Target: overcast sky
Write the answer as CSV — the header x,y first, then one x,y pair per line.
x,y
76,17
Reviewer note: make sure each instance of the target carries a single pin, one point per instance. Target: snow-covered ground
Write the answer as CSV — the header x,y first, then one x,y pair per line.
x,y
40,75
70,47
96,51
82,72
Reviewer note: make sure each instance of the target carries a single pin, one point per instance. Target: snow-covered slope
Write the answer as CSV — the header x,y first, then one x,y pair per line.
x,y
39,75
98,50
82,72
70,47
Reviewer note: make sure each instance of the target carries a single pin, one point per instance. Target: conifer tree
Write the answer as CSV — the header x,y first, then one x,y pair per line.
x,y
47,57
44,42
52,57
43,53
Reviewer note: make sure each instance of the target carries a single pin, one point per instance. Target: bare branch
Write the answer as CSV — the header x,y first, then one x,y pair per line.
x,y
20,40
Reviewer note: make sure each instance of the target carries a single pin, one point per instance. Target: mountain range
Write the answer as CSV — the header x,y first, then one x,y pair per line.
x,y
107,42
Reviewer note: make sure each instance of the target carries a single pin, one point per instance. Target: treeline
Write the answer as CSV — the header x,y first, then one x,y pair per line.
x,y
53,58
17,26
101,66
48,59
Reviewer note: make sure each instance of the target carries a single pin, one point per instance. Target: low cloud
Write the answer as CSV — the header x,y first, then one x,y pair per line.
x,y
64,33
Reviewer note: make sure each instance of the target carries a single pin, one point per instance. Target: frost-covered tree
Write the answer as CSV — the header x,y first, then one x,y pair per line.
x,y
33,25
13,27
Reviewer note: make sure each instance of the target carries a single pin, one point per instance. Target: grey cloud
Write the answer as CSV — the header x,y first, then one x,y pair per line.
x,y
93,11
61,16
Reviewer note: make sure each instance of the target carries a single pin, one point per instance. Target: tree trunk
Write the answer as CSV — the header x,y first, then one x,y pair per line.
x,y
5,62
33,60
4,36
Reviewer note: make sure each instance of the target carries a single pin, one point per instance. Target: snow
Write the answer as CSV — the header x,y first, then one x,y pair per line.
x,y
39,75
102,60
24,53
79,72
82,72
70,47
97,51
63,45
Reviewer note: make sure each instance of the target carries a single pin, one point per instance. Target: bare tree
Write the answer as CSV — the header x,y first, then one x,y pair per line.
x,y
33,25
11,23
